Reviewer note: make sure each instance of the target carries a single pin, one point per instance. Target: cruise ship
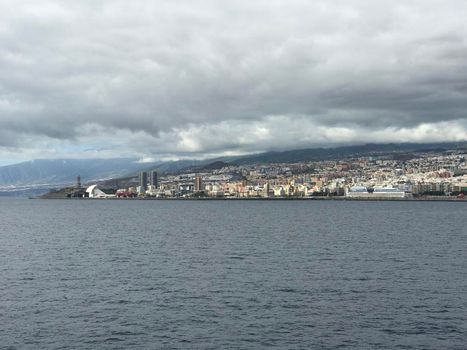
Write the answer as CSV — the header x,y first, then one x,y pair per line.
x,y
376,193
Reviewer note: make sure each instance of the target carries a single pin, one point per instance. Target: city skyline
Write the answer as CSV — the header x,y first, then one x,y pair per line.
x,y
204,79
433,175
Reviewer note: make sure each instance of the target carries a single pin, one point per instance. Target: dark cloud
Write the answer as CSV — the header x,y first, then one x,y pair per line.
x,y
197,77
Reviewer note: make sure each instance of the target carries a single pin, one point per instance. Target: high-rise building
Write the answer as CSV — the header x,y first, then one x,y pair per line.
x,y
143,182
266,190
154,179
198,184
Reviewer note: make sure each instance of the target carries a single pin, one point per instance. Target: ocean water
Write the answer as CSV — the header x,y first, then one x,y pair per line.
x,y
84,274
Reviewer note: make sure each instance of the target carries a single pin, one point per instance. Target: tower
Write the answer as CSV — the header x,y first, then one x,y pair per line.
x,y
266,190
78,182
198,184
154,179
143,182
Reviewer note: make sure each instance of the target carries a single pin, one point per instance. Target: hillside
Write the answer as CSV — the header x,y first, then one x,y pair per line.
x,y
58,171
40,175
316,154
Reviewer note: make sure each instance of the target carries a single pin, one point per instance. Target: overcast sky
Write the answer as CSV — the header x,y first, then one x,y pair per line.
x,y
165,79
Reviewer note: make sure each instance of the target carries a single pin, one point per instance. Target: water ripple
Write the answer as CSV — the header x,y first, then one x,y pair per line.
x,y
250,275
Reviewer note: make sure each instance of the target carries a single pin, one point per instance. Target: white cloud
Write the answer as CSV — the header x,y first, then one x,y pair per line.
x,y
164,79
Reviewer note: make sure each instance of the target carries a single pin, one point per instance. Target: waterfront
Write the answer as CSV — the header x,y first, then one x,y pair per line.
x,y
232,274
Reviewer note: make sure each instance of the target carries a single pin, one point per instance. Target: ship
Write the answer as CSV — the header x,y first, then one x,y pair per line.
x,y
375,193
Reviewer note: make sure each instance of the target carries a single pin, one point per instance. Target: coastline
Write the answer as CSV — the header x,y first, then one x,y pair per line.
x,y
379,199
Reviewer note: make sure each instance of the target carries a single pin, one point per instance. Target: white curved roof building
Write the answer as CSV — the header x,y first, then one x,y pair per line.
x,y
94,192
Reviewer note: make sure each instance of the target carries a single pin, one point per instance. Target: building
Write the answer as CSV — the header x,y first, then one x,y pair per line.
x,y
265,190
143,182
198,184
94,192
154,179
279,191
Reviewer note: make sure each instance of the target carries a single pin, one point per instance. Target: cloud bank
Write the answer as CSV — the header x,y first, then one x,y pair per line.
x,y
192,78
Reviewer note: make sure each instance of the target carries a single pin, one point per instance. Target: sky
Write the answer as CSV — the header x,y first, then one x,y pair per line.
x,y
194,79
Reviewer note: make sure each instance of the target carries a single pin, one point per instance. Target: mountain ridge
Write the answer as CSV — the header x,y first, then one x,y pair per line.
x,y
42,174
315,154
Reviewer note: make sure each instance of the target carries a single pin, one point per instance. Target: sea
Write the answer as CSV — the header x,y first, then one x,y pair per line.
x,y
175,274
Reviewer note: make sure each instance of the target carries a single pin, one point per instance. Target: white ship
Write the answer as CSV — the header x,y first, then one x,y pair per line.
x,y
376,193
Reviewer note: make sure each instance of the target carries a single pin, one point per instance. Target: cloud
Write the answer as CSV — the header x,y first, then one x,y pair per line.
x,y
157,78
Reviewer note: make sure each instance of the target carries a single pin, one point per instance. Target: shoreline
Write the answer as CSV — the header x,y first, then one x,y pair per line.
x,y
417,199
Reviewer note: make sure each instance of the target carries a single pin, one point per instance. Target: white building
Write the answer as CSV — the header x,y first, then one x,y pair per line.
x,y
94,192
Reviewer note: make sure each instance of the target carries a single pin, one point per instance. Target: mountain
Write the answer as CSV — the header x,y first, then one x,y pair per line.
x,y
38,176
317,154
210,165
173,167
57,171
